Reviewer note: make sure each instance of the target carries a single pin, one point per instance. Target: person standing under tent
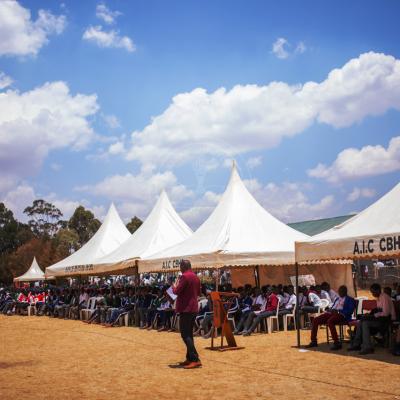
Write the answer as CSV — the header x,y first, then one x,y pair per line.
x,y
188,289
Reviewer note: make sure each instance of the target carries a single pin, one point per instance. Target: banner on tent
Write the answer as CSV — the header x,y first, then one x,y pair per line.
x,y
352,248
79,268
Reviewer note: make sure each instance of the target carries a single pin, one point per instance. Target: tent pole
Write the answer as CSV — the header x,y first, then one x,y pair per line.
x,y
354,274
257,275
297,305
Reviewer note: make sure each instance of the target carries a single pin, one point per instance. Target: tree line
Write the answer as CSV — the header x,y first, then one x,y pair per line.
x,y
46,235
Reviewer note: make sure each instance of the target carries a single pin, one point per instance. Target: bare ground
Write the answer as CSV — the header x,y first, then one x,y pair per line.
x,y
43,358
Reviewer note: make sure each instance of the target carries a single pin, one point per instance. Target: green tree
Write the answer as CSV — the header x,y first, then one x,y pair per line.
x,y
12,233
134,224
66,242
45,219
84,223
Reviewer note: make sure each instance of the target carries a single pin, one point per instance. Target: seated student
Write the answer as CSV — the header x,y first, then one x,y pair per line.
x,y
328,293
340,313
60,303
205,317
22,303
313,300
39,302
256,317
257,300
165,312
127,304
377,321
288,301
101,302
80,304
9,304
148,298
71,301
152,309
208,321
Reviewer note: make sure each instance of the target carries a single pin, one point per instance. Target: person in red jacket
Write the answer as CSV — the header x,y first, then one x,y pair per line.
x,y
269,310
187,288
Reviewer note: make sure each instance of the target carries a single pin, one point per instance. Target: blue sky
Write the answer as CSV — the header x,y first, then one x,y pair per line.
x,y
117,100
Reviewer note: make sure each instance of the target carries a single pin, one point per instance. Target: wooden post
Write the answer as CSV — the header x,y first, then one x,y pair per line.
x,y
297,305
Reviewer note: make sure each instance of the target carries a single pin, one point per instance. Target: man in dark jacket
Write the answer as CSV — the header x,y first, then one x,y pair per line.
x,y
188,288
340,313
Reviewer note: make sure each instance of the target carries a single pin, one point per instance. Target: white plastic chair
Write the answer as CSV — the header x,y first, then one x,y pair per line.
x,y
87,312
273,318
286,318
360,302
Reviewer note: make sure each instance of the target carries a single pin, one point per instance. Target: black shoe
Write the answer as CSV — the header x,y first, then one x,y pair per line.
x,y
366,351
336,346
354,348
311,345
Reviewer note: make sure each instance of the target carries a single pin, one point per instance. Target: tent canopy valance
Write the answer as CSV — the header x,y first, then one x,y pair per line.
x,y
238,232
371,234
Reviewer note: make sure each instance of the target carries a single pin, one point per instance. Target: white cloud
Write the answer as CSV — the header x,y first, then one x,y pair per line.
x,y
288,202
354,163
135,194
55,167
358,193
300,48
282,48
279,48
251,117
254,162
5,80
19,198
116,148
35,122
20,35
111,121
201,209
109,39
104,13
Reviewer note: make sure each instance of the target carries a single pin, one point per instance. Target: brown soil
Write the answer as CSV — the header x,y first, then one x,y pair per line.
x,y
43,358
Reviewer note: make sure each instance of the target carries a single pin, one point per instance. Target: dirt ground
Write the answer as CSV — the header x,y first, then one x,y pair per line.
x,y
43,358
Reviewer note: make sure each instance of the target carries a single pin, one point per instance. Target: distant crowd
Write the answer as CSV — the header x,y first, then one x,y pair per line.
x,y
153,307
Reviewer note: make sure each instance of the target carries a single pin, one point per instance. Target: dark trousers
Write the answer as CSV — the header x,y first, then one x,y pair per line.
x,y
331,320
186,324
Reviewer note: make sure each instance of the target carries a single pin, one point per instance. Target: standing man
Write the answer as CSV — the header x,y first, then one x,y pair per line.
x,y
187,288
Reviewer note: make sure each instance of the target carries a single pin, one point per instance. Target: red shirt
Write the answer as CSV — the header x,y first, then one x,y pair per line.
x,y
188,290
272,302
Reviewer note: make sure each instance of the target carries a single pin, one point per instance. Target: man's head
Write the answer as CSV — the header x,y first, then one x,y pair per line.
x,y
342,291
376,289
185,265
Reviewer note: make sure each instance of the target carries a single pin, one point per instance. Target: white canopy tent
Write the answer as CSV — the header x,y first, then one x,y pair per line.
x,y
162,228
111,234
373,233
239,232
34,274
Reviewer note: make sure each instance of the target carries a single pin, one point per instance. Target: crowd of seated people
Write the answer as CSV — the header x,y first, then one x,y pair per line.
x,y
152,307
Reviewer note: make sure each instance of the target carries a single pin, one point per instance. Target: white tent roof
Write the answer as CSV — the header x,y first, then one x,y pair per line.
x,y
162,228
238,232
33,274
111,234
374,232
